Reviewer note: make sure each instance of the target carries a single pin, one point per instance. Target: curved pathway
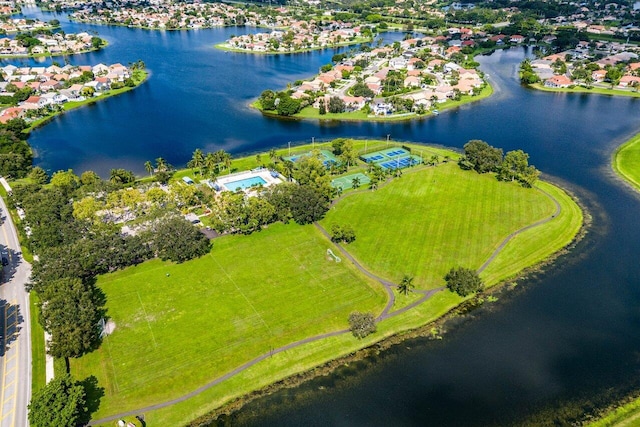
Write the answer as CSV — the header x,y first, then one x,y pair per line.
x,y
386,314
515,233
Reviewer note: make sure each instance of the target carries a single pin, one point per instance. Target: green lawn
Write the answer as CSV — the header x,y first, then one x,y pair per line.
x,y
627,415
253,293
626,161
179,326
581,89
430,220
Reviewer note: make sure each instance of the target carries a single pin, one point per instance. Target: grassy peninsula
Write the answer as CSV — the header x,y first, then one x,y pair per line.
x,y
626,161
217,325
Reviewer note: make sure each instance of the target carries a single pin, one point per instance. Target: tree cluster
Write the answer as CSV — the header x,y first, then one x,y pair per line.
x,y
344,234
62,403
463,281
361,324
514,166
15,154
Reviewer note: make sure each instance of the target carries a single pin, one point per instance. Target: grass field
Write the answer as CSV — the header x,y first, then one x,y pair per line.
x,y
179,326
581,89
626,161
431,220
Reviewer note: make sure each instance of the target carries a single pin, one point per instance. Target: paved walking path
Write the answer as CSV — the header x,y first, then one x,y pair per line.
x,y
386,314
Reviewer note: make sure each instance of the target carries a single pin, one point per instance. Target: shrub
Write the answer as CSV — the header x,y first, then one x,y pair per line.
x,y
361,324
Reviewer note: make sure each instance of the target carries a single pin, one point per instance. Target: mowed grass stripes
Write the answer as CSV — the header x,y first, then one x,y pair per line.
x,y
626,161
433,219
180,326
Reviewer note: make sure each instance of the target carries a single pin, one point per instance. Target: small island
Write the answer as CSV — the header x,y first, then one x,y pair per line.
x,y
300,36
406,80
308,257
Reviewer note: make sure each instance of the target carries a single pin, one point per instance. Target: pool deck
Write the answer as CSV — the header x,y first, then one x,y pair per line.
x,y
263,173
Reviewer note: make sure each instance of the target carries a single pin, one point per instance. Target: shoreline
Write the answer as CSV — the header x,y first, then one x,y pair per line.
x,y
57,55
431,330
388,335
221,46
74,105
616,158
581,89
405,117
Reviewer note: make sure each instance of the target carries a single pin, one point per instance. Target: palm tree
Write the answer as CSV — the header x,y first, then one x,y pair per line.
x,y
288,169
273,155
259,159
148,167
210,162
161,165
227,161
197,160
355,182
406,285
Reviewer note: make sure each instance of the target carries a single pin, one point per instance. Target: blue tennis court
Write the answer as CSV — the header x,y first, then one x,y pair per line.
x,y
399,163
372,158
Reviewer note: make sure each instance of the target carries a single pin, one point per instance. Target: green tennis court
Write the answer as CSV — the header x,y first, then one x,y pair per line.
x,y
346,182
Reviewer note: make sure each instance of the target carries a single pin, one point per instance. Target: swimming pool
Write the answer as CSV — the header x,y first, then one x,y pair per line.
x,y
243,184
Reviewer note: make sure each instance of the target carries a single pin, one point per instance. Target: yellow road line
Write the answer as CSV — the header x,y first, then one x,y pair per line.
x,y
6,238
15,391
4,357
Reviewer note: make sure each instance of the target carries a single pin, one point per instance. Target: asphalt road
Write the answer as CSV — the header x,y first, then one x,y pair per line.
x,y
15,329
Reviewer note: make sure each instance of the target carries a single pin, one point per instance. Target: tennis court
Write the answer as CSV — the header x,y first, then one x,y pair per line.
x,y
384,155
346,182
400,162
326,156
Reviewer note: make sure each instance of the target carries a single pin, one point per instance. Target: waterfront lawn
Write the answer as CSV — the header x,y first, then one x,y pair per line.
x,y
626,161
179,326
432,219
582,89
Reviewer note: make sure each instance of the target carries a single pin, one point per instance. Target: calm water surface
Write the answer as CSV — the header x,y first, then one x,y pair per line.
x,y
555,347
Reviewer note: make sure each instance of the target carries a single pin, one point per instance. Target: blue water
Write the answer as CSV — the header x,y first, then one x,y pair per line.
x,y
564,342
243,184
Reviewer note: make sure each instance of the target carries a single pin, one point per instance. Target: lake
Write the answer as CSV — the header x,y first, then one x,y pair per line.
x,y
561,343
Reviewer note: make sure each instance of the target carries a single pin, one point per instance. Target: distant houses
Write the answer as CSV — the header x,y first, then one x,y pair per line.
x,y
55,85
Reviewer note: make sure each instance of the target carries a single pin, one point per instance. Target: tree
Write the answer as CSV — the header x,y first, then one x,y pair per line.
x,y
355,182
61,402
406,285
174,238
66,180
336,105
463,281
287,106
514,165
361,324
481,156
38,175
267,100
308,204
70,311
121,176
161,165
148,166
89,178
197,160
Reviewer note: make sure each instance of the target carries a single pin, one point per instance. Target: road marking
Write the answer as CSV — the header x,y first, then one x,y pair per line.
x,y
6,238
9,358
4,356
